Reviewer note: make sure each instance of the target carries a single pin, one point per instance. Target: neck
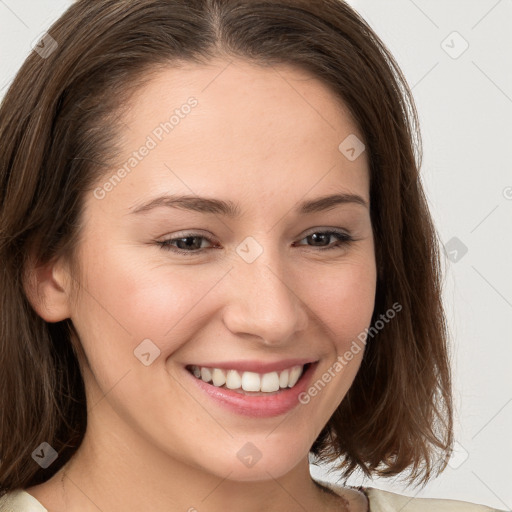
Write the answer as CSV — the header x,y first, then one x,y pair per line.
x,y
114,470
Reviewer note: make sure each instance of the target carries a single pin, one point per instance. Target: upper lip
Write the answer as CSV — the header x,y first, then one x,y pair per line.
x,y
255,366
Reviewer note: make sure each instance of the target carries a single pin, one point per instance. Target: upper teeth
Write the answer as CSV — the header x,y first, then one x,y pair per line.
x,y
249,381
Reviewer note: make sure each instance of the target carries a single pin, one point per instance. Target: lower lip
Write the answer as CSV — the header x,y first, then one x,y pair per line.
x,y
257,406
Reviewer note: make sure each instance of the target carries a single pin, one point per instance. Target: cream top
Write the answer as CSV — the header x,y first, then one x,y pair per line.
x,y
379,501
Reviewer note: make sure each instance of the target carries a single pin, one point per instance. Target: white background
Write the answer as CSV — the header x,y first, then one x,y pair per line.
x,y
465,107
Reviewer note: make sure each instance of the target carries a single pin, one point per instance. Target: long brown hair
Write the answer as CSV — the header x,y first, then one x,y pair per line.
x,y
58,130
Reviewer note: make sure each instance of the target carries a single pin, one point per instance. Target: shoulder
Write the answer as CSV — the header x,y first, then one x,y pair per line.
x,y
386,501
20,501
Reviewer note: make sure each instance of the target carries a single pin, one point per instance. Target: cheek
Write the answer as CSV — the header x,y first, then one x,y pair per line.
x,y
125,300
343,299
124,305
138,299
130,289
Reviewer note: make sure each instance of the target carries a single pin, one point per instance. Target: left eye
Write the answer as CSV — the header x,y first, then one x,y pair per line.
x,y
343,239
191,244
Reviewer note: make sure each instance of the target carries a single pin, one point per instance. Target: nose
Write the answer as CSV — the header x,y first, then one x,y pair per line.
x,y
262,302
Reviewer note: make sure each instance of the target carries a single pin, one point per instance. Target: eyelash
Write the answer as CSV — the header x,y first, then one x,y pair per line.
x,y
343,239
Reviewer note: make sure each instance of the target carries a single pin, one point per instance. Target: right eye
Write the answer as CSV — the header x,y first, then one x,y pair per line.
x,y
184,243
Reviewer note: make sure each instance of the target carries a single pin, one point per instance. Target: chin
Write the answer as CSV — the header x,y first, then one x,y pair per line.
x,y
257,460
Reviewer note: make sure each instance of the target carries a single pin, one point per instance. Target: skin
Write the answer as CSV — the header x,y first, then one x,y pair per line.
x,y
267,139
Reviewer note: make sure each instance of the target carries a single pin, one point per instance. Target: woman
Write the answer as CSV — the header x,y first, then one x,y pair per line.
x,y
218,260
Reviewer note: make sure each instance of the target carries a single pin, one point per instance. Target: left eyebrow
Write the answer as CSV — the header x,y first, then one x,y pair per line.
x,y
232,210
321,204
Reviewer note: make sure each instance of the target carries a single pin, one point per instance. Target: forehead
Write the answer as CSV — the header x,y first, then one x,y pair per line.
x,y
233,126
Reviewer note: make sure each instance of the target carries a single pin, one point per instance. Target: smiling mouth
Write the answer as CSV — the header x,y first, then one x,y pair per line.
x,y
250,383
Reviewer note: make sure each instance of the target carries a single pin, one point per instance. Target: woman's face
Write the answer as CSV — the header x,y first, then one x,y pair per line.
x,y
253,293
